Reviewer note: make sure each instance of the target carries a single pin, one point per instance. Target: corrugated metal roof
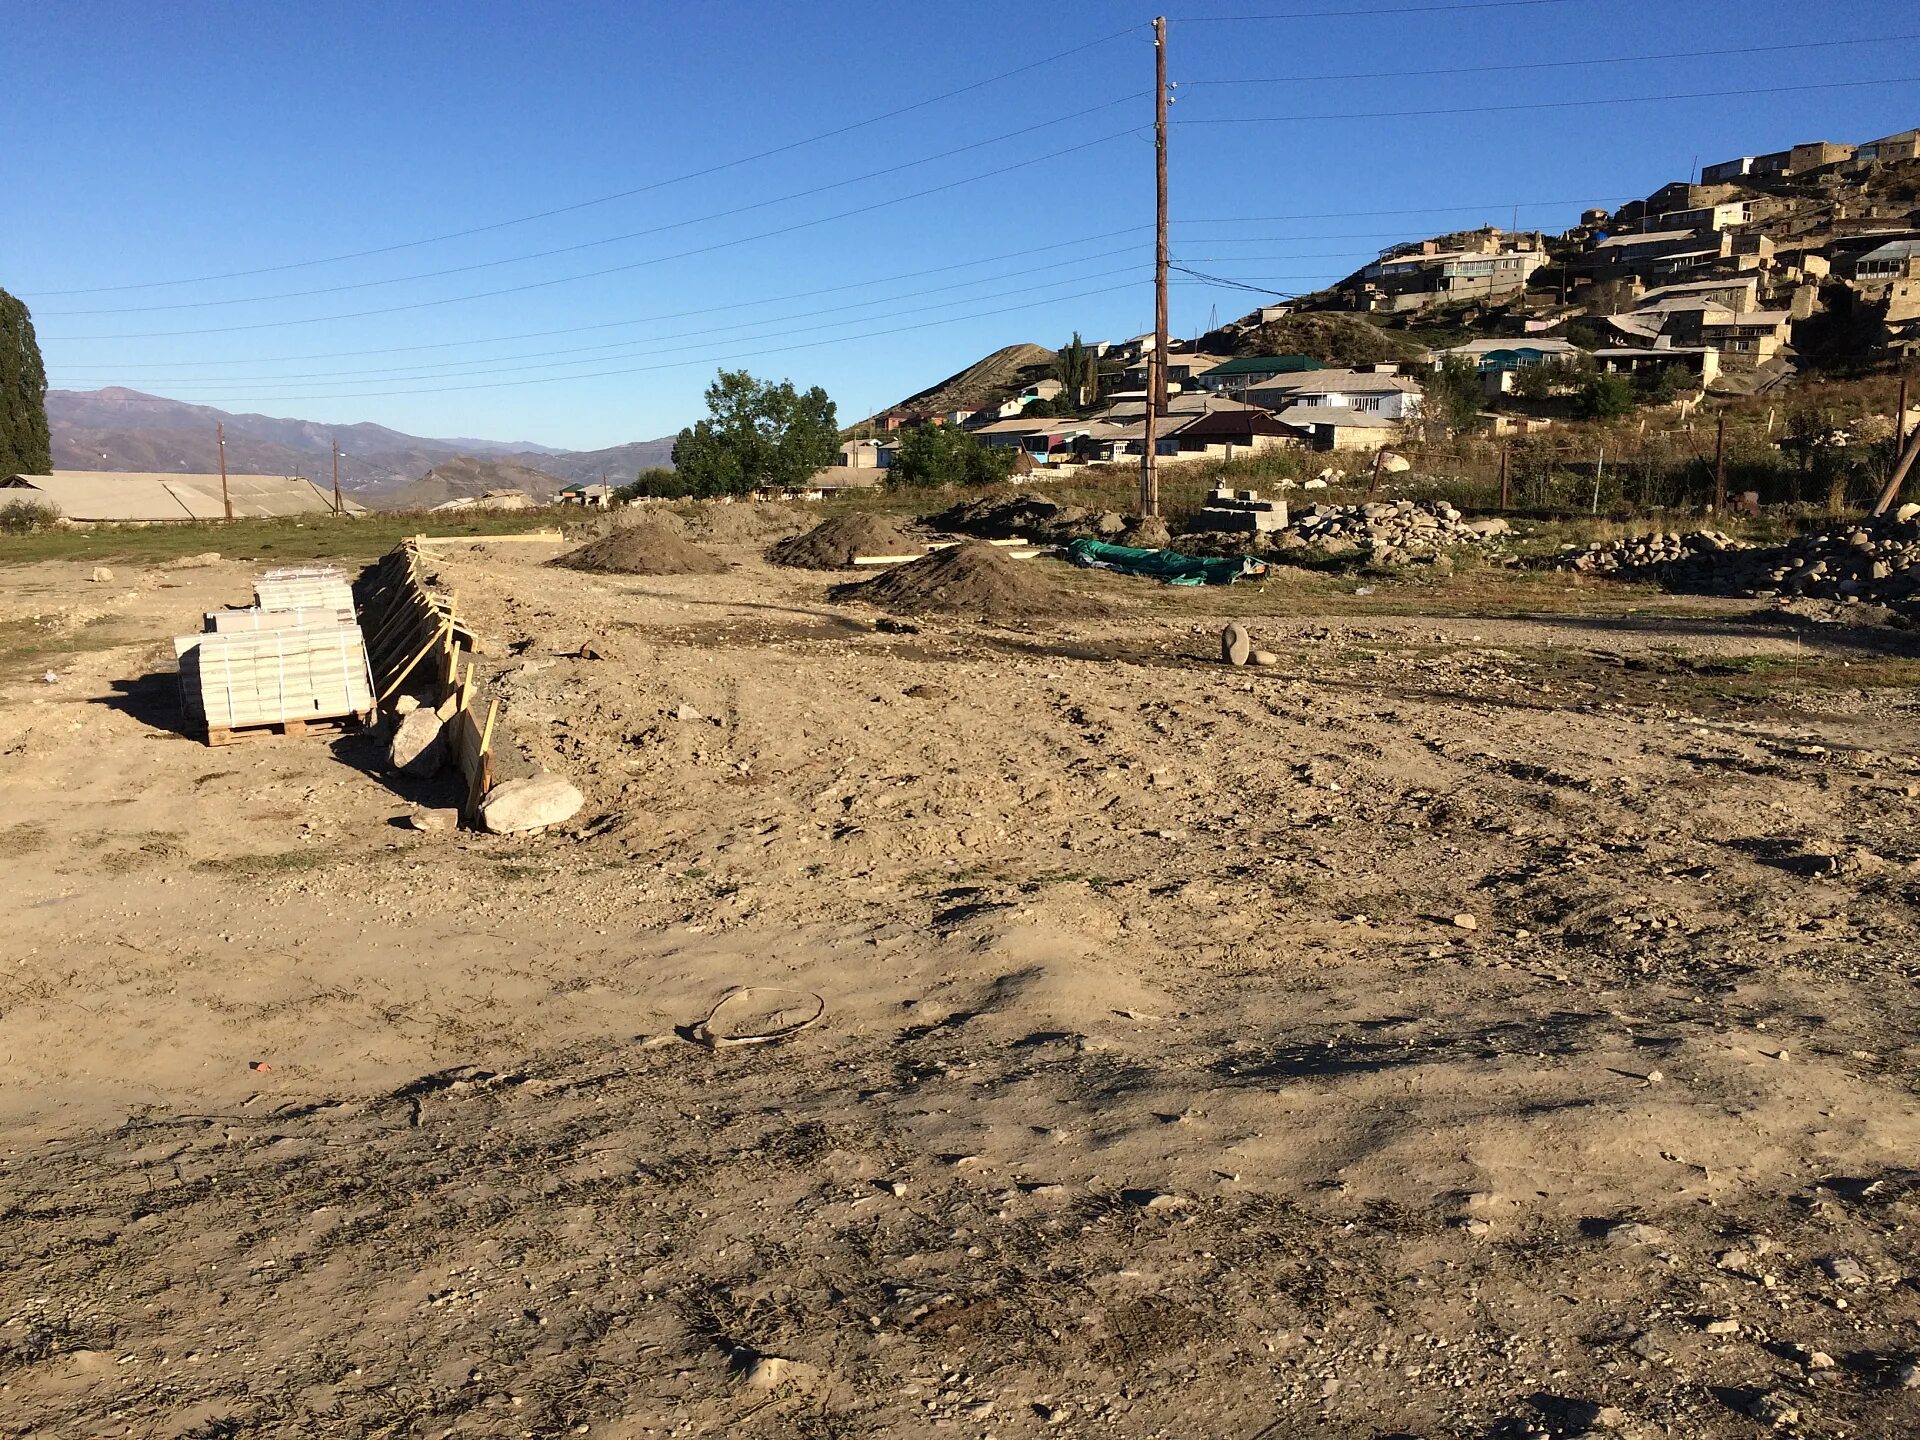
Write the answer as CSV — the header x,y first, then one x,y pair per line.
x,y
1343,417
1265,365
148,496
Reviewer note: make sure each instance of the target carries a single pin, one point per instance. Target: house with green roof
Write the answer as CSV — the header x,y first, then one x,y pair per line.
x,y
1236,375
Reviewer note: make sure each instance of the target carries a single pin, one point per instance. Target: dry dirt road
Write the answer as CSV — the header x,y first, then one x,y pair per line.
x,y
1469,1027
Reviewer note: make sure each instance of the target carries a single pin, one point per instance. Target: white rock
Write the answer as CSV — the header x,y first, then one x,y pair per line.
x,y
688,713
1265,657
1464,921
767,1372
419,745
1845,1270
1235,644
1632,1232
530,803
101,574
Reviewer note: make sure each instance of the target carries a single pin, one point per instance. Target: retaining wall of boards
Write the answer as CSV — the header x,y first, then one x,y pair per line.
x,y
418,645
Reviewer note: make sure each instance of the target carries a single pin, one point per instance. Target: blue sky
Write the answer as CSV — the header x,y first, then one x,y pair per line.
x,y
192,140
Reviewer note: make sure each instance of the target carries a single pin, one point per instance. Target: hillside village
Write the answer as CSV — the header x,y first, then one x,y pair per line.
x,y
1350,875
1800,262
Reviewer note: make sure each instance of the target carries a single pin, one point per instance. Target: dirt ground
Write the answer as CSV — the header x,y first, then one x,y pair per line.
x,y
1498,1019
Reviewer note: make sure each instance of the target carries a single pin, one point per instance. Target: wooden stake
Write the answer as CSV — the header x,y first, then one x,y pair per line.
x,y
1720,467
226,500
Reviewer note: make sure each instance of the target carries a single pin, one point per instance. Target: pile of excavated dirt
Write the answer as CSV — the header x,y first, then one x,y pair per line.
x,y
720,522
835,544
644,549
1025,515
969,579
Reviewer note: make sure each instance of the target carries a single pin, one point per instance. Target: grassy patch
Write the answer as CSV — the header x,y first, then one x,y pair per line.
x,y
267,867
318,537
27,645
18,840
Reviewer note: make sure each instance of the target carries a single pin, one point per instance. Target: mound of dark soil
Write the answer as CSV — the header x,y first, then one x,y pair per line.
x,y
970,579
1026,515
834,544
644,549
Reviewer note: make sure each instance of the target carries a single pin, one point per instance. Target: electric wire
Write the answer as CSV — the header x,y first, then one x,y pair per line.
x,y
700,174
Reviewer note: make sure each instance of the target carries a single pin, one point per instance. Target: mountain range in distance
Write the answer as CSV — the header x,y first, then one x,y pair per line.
x,y
120,429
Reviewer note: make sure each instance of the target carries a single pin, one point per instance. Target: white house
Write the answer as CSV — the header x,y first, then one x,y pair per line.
x,y
1391,396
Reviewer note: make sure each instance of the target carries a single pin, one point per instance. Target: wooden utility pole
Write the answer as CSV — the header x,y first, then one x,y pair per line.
x,y
1157,364
1160,255
1149,481
1720,467
226,500
1505,495
335,443
1900,419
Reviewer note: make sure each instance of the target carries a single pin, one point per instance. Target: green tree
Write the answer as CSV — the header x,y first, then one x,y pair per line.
x,y
25,447
934,455
1666,383
1604,397
1551,377
1452,395
756,434
1076,368
655,483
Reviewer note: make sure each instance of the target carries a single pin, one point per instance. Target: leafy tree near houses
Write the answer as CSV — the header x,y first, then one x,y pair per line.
x,y
1667,383
25,446
756,434
1077,368
1604,397
1451,395
654,483
1551,378
935,455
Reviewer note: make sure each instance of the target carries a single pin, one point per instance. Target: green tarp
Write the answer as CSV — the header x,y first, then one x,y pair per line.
x,y
1168,565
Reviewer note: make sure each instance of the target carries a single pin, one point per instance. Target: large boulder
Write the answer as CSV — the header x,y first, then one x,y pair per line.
x,y
529,804
419,744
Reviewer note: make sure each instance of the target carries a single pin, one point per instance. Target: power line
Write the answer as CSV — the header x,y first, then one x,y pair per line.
x,y
1546,104
410,372
1417,210
1551,64
612,269
1074,114
1234,284
1367,11
617,324
703,360
720,168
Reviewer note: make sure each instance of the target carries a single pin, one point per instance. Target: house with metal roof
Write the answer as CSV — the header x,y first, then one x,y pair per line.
x,y
1376,390
1236,375
1339,427
136,497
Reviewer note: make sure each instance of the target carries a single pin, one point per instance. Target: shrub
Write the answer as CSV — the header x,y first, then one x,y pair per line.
x,y
24,517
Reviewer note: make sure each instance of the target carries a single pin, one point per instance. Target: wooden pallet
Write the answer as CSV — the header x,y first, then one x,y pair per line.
x,y
320,725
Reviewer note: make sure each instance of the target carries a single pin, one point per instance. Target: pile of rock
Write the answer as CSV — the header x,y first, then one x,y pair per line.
x,y
1393,529
1872,562
1658,556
